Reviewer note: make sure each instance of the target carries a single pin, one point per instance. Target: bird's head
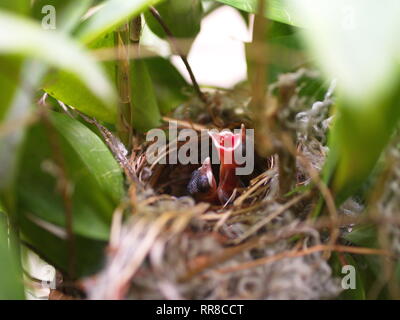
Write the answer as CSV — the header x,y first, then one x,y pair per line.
x,y
202,183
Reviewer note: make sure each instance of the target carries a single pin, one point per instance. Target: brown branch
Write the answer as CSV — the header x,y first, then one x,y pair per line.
x,y
117,149
122,74
176,48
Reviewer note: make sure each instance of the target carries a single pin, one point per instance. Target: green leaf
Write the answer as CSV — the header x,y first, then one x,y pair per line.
x,y
361,277
364,236
357,43
89,253
63,85
183,18
16,107
145,112
110,15
96,186
57,50
95,179
169,85
69,89
368,267
10,69
68,12
276,10
19,6
28,39
11,287
94,154
358,138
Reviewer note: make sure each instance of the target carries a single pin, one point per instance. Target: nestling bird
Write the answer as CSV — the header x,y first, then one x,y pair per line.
x,y
203,184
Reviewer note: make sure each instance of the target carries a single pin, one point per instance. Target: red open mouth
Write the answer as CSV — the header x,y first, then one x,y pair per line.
x,y
203,182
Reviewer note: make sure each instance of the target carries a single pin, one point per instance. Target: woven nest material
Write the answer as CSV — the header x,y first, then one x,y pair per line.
x,y
172,247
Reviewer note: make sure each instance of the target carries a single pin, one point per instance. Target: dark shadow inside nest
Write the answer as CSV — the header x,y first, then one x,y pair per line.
x,y
173,179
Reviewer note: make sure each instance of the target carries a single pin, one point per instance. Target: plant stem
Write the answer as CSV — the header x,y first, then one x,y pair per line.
x,y
134,37
256,53
176,48
287,159
124,127
135,29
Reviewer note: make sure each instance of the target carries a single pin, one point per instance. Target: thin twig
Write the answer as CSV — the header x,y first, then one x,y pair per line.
x,y
230,252
270,217
297,253
116,147
176,48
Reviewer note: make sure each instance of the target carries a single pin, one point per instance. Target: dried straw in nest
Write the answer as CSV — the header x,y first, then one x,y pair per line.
x,y
259,247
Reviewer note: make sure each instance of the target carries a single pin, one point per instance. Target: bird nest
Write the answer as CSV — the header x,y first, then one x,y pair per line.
x,y
259,245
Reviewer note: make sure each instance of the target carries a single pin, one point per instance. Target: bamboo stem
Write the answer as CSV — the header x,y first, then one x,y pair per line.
x,y
257,55
124,127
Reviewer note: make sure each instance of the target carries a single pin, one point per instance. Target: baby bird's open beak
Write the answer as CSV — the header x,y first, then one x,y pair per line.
x,y
226,143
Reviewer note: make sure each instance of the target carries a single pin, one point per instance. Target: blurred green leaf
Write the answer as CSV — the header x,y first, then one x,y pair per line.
x,y
69,89
94,154
357,140
63,85
357,43
276,10
18,6
11,287
89,252
96,186
361,277
109,15
16,109
28,39
364,236
68,12
368,267
145,112
57,50
169,85
10,69
95,178
183,18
